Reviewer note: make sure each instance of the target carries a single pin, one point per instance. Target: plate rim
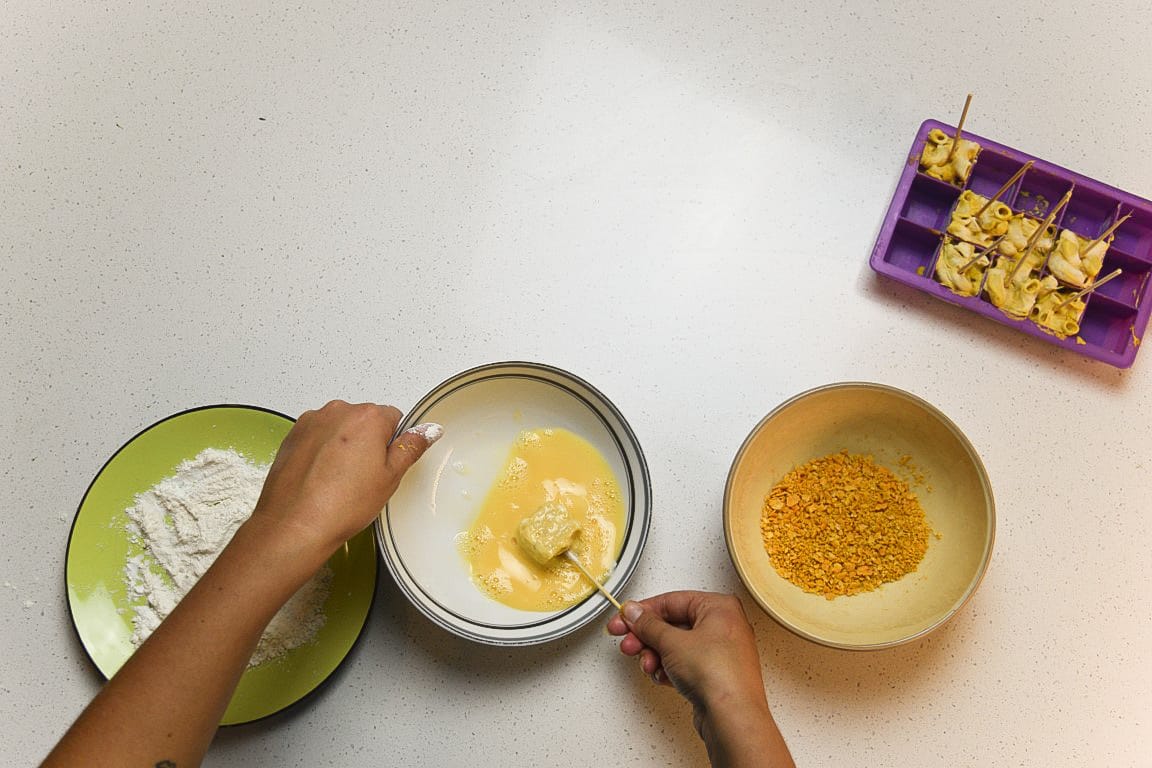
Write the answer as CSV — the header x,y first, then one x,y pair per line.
x,y
375,559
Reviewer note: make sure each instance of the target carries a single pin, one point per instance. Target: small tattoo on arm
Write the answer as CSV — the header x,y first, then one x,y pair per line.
x,y
165,764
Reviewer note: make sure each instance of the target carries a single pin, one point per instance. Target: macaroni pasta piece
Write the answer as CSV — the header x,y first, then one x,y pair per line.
x,y
940,162
977,221
1071,264
1055,314
1016,296
958,268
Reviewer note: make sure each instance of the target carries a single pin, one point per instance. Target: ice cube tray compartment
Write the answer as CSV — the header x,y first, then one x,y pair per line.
x,y
1089,213
931,202
912,247
1129,285
1135,235
1039,192
1115,316
989,174
1109,327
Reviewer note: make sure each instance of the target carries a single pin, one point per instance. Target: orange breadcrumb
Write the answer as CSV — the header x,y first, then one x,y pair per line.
x,y
843,524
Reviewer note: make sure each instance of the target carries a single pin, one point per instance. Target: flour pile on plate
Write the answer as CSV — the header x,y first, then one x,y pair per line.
x,y
183,523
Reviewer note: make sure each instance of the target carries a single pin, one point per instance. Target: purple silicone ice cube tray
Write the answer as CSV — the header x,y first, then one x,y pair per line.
x,y
1116,314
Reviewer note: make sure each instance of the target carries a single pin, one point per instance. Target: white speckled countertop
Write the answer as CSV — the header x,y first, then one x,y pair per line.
x,y
280,204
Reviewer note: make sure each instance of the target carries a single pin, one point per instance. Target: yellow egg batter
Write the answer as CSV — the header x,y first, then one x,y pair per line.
x,y
553,467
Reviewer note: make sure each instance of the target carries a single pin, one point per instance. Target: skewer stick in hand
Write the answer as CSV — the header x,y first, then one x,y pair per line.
x,y
570,556
1023,169
959,128
1088,290
548,533
1040,233
1107,232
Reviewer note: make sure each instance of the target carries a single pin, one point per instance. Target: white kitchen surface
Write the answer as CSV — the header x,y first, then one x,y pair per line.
x,y
283,203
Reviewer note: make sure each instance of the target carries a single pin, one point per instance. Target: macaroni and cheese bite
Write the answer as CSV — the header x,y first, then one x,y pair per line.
x,y
547,533
1072,264
1015,296
979,220
555,492
1058,313
940,162
1021,231
959,269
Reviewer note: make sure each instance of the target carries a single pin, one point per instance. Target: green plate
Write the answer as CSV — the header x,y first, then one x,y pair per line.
x,y
99,547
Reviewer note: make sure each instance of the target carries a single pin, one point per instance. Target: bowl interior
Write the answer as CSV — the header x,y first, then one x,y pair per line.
x,y
482,412
888,424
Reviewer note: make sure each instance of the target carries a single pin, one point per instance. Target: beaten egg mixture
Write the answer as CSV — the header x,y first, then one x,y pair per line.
x,y
559,469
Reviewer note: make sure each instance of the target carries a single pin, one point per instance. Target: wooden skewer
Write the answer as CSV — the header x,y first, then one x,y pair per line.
x,y
959,129
542,539
1086,291
1107,232
970,262
1023,169
1039,232
1048,256
982,253
570,556
1027,252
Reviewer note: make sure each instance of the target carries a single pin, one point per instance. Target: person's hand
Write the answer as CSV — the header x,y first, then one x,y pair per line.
x,y
332,476
702,644
699,642
336,470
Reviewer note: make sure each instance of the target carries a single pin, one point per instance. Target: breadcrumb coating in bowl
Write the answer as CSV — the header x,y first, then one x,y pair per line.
x,y
908,438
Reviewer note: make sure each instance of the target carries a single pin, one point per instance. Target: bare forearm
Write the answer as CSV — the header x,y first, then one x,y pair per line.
x,y
166,702
744,736
703,644
333,474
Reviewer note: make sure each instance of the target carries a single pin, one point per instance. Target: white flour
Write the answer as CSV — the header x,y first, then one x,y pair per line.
x,y
182,523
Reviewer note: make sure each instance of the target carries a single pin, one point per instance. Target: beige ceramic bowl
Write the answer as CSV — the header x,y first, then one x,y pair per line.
x,y
886,423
